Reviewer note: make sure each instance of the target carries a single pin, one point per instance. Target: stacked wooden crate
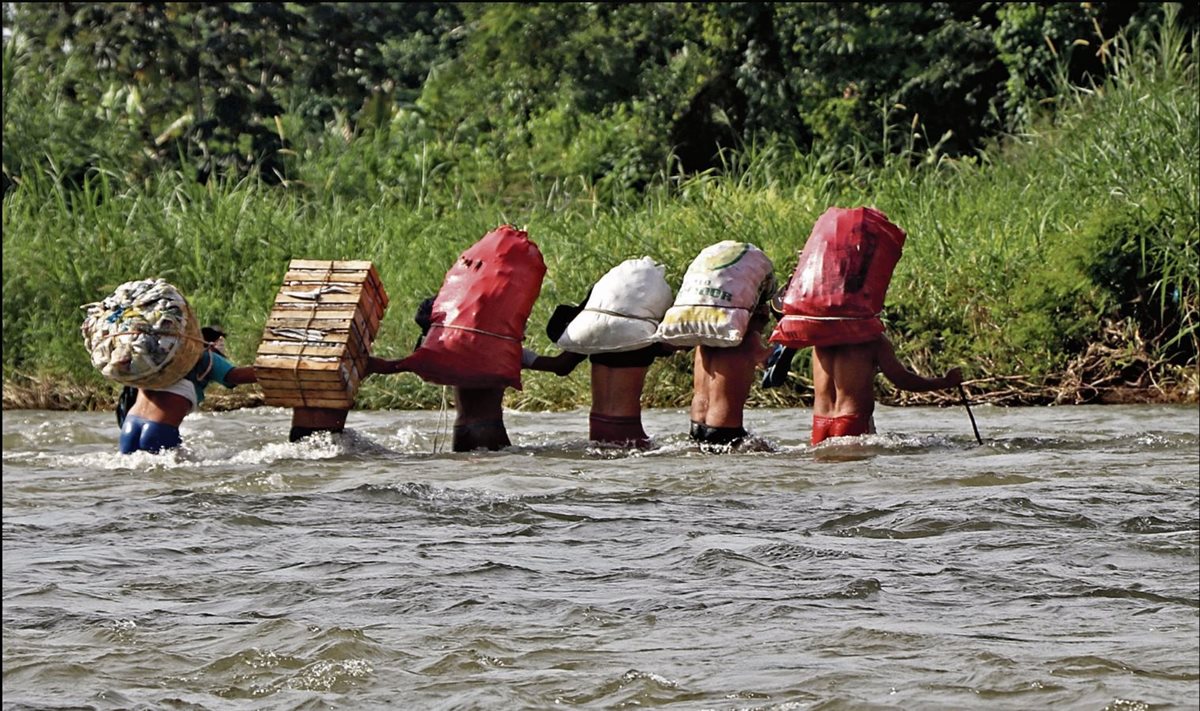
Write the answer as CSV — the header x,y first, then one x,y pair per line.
x,y
316,342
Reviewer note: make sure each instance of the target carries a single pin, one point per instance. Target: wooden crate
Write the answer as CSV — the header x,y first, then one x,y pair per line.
x,y
316,342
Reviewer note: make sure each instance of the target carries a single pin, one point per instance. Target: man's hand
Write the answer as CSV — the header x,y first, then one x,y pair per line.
x,y
383,366
561,364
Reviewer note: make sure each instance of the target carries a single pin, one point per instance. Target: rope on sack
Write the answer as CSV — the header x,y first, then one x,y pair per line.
x,y
832,318
158,368
606,312
475,330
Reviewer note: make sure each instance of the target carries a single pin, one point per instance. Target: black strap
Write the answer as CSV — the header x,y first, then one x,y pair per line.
x,y
202,368
125,402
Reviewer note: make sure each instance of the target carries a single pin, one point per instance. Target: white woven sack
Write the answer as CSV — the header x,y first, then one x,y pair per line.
x,y
720,290
143,334
623,311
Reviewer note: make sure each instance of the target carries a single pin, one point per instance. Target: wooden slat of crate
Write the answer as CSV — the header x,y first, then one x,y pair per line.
x,y
329,308
364,275
283,367
353,295
275,389
327,390
295,279
299,375
307,393
377,284
320,271
279,319
339,334
272,381
295,397
306,316
329,336
322,276
291,397
333,343
351,339
298,371
277,361
374,296
303,350
302,400
282,378
333,265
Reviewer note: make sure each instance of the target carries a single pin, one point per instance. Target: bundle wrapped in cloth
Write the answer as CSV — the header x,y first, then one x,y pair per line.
x,y
143,334
621,313
723,286
477,320
836,294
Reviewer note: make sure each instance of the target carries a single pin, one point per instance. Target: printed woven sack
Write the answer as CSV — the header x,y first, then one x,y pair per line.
x,y
723,285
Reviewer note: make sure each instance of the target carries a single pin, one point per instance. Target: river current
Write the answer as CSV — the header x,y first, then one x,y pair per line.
x,y
1057,565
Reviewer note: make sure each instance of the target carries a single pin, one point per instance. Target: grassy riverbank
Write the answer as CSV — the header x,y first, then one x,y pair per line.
x,y
1058,267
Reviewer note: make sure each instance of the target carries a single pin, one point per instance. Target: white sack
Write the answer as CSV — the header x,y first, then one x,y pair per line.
x,y
623,311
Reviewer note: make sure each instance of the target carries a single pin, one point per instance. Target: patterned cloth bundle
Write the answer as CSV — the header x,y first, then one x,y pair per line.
x,y
143,334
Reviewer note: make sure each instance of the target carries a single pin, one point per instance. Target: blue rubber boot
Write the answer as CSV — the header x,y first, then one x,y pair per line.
x,y
778,365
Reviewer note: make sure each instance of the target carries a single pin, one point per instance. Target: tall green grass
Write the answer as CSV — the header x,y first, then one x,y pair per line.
x,y
1016,261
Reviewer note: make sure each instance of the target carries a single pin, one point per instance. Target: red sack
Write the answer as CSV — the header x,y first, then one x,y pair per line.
x,y
837,291
479,315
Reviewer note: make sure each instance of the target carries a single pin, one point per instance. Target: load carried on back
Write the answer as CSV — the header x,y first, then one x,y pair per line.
x,y
317,340
723,286
837,291
477,321
622,311
143,334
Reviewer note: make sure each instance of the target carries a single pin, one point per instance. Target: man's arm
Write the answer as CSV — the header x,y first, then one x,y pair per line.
x,y
561,364
221,370
241,375
384,366
905,379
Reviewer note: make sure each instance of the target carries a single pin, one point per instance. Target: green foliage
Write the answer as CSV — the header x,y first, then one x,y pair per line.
x,y
1144,276
207,88
613,93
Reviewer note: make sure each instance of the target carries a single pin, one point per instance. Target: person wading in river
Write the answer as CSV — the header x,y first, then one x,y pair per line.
x,y
150,419
832,303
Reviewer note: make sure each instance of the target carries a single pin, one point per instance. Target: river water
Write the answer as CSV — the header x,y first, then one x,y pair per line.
x,y
1055,566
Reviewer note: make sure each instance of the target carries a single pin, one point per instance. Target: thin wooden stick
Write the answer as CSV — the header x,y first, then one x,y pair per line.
x,y
966,404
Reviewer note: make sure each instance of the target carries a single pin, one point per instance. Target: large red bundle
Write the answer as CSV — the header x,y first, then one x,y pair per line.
x,y
836,293
479,315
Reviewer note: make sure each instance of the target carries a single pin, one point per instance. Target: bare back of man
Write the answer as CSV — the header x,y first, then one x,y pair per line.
x,y
479,419
617,392
160,406
844,385
616,415
311,420
721,379
843,379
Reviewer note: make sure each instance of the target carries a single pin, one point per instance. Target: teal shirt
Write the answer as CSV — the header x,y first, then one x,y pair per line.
x,y
220,369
